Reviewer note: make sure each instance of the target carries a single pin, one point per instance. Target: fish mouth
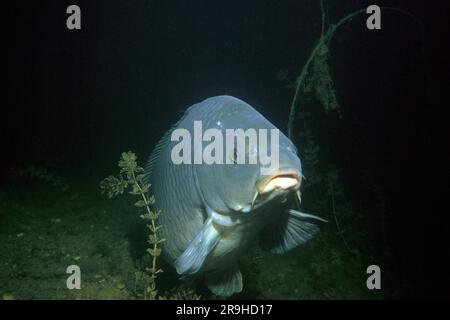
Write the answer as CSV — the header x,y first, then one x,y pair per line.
x,y
280,182
283,181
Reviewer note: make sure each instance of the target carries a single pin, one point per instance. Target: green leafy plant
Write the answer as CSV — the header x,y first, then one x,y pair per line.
x,y
131,177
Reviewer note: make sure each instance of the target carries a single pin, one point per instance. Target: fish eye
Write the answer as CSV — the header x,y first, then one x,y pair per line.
x,y
234,155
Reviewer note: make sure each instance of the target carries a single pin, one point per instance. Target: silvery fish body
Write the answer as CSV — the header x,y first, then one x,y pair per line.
x,y
212,213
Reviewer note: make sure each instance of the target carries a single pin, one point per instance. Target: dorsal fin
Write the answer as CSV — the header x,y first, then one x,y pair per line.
x,y
155,154
160,146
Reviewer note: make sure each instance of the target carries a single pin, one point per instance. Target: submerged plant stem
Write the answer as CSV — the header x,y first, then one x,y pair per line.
x,y
131,175
153,222
324,40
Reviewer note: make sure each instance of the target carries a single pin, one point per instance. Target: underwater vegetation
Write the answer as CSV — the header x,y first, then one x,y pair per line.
x,y
131,175
315,76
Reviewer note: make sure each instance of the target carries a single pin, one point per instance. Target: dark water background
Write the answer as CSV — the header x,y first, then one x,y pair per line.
x,y
77,99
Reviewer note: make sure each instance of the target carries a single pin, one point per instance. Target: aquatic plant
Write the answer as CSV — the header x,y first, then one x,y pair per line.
x,y
315,79
336,258
131,176
315,76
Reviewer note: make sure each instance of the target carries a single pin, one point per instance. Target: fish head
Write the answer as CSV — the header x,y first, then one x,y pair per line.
x,y
242,186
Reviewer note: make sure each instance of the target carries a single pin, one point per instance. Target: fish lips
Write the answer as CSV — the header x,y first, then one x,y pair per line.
x,y
282,180
277,184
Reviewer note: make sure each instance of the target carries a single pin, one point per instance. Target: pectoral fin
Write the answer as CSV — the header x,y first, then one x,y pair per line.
x,y
191,260
295,228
